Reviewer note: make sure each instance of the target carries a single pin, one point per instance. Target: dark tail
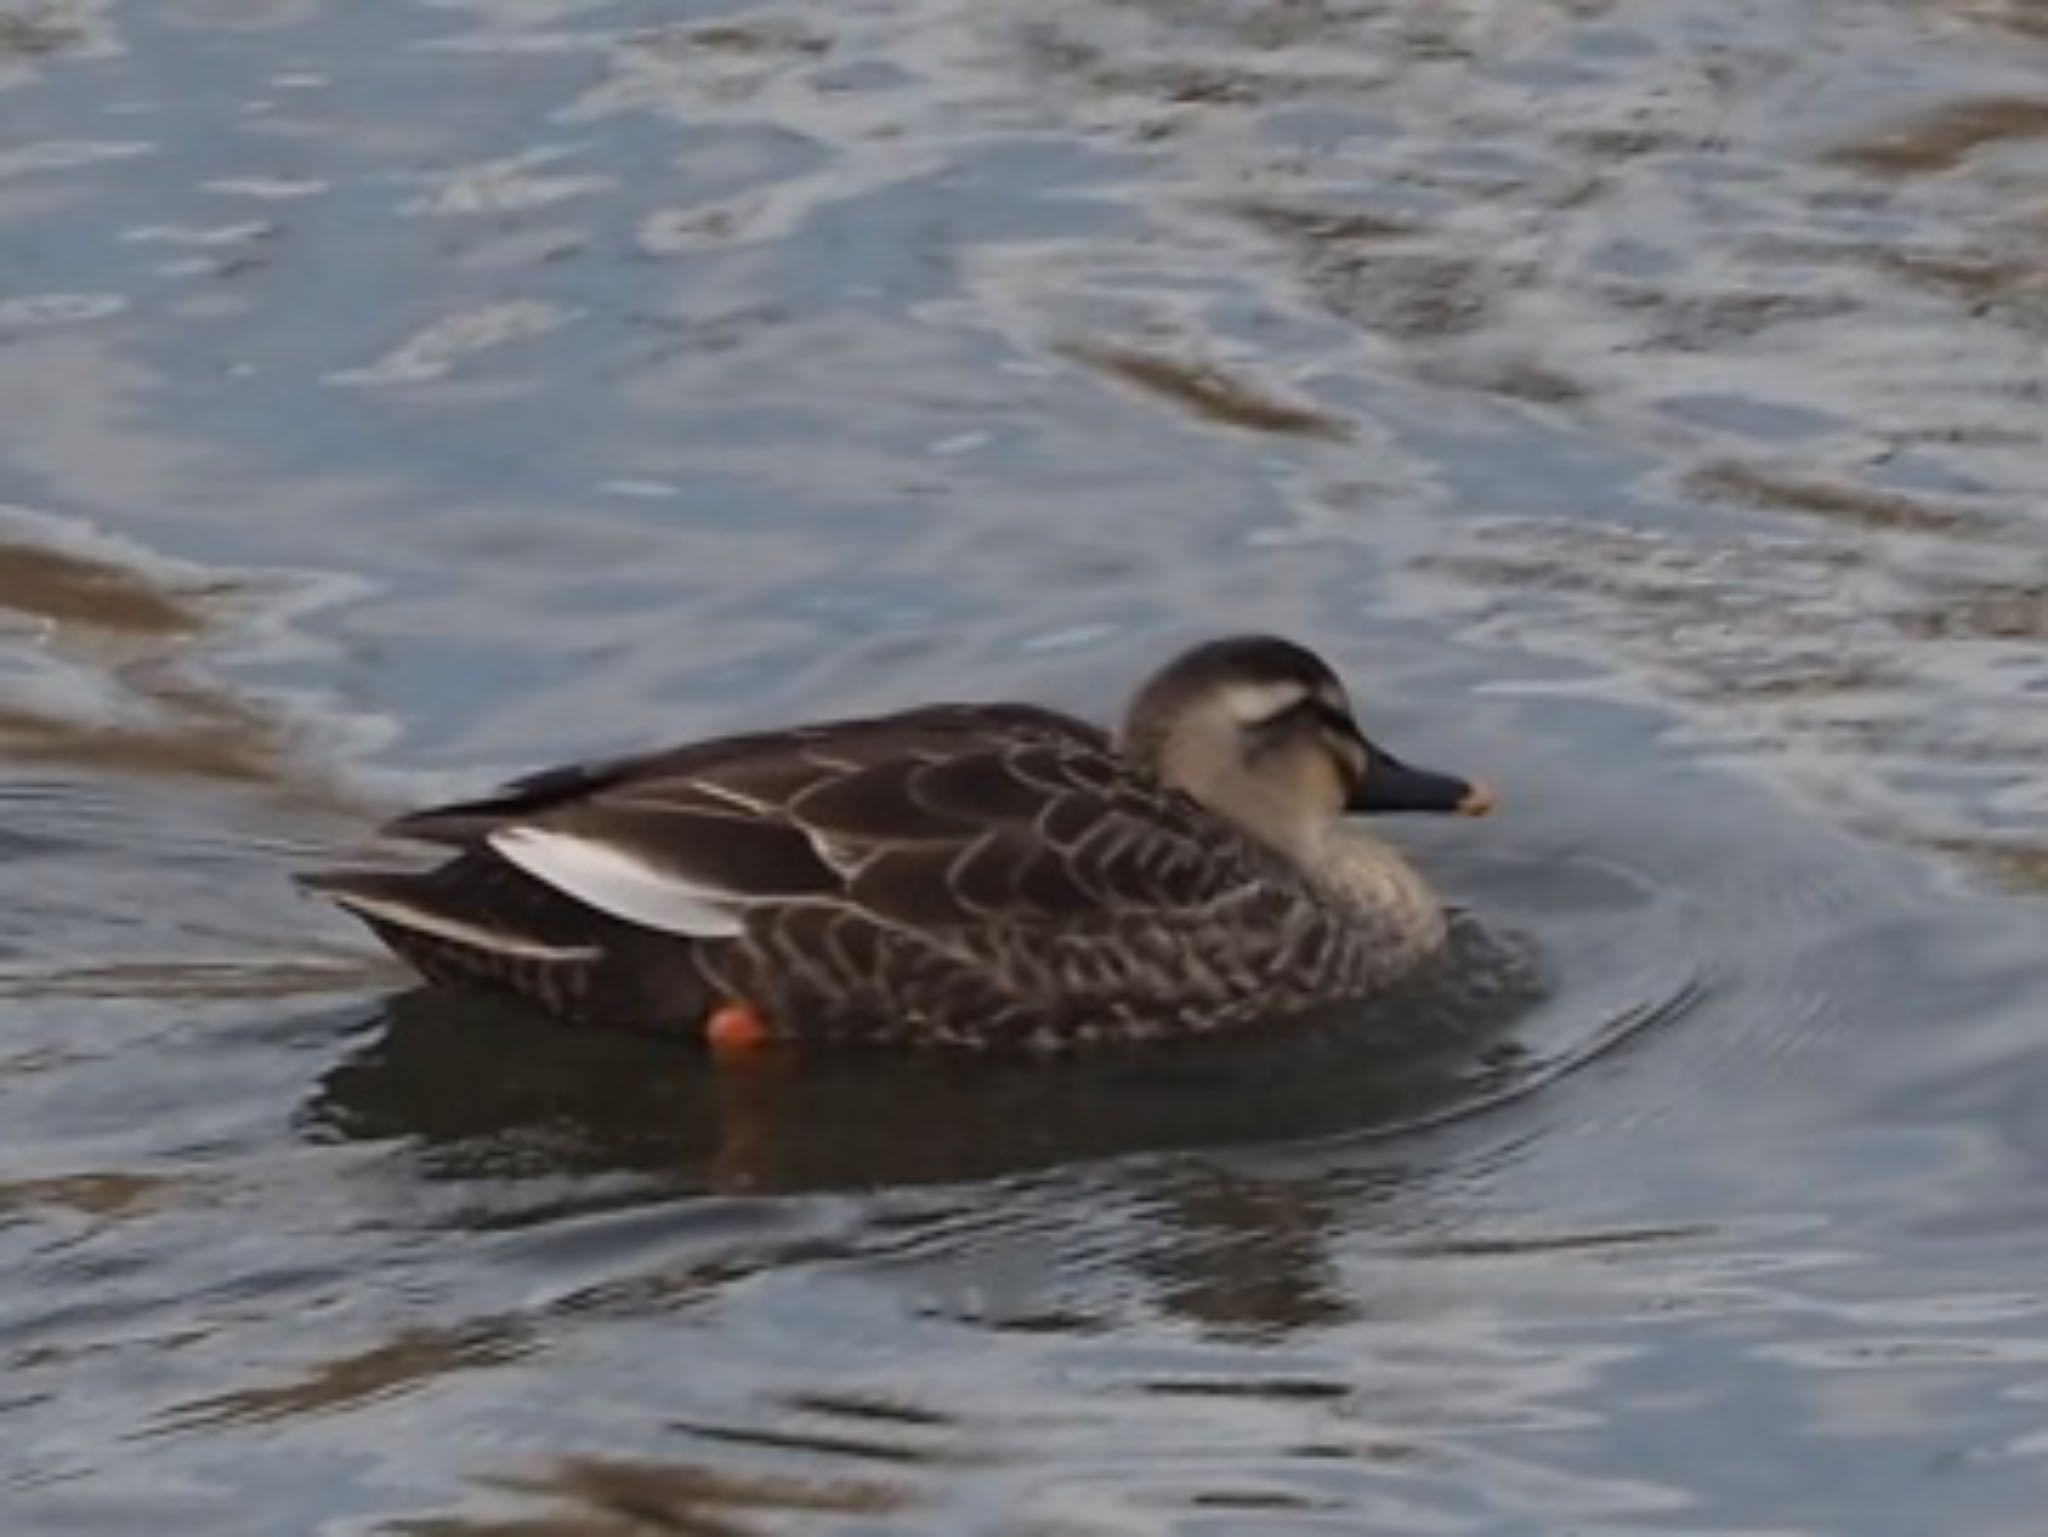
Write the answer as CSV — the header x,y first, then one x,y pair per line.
x,y
478,922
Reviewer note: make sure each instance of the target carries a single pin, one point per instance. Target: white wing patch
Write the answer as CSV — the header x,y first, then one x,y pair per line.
x,y
606,877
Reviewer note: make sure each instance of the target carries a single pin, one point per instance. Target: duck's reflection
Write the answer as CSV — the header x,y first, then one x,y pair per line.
x,y
1248,1256
485,1090
611,1497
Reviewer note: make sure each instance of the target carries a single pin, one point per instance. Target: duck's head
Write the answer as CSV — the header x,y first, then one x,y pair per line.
x,y
1260,730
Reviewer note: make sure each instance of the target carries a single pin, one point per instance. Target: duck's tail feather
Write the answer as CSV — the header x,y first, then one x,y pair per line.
x,y
478,922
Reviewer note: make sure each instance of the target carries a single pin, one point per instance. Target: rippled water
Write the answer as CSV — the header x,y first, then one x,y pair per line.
x,y
1642,402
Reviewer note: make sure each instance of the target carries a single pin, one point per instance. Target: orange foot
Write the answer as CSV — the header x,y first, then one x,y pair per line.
x,y
736,1031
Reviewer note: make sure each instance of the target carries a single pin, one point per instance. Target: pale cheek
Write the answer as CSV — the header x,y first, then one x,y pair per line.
x,y
1324,786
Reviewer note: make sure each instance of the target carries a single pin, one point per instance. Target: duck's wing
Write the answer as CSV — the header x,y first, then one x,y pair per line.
x,y
752,764
942,820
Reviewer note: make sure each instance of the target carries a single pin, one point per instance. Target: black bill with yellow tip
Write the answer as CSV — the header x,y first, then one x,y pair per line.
x,y
1388,785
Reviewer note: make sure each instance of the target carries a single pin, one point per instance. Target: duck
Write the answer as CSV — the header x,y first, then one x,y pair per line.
x,y
979,875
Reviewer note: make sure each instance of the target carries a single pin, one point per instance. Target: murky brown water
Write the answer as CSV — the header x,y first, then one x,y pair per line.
x,y
1644,403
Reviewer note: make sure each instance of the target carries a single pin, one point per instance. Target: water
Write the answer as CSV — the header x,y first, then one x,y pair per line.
x,y
1641,402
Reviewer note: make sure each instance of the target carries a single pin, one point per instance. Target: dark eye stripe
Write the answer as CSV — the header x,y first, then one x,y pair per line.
x,y
1262,736
1337,720
1337,729
1327,716
1284,720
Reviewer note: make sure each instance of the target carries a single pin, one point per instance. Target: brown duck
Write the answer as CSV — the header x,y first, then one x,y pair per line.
x,y
990,875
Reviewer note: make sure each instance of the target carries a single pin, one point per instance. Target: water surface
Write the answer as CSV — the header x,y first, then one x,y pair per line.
x,y
1641,402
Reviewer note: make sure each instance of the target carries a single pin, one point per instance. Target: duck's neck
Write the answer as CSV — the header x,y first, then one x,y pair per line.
x,y
1371,878
1359,873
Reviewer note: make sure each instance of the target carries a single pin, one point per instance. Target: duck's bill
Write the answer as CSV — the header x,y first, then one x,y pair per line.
x,y
1391,785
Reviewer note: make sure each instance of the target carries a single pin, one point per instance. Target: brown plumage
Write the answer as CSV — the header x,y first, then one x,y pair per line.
x,y
991,875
